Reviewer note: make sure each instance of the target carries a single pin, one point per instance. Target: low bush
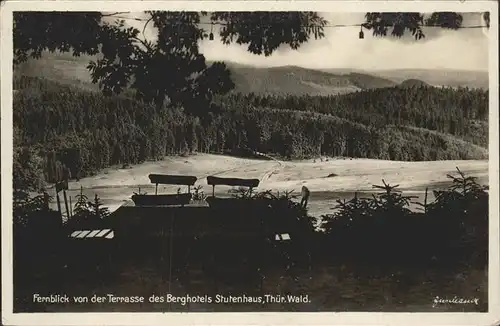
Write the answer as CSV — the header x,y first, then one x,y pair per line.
x,y
453,229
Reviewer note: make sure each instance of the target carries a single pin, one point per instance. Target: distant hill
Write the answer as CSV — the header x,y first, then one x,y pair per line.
x,y
284,80
413,83
297,80
67,69
366,81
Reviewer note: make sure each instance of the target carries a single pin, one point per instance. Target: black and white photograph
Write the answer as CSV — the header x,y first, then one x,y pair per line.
x,y
224,159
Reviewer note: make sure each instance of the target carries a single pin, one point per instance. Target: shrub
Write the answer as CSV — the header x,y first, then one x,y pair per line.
x,y
451,229
198,193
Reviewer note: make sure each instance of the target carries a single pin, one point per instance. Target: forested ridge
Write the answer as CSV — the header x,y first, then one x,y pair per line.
x,y
460,112
58,126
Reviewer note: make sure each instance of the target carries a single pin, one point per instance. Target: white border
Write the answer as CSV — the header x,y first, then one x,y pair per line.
x,y
8,318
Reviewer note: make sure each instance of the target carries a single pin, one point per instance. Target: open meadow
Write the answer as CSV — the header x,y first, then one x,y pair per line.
x,y
328,179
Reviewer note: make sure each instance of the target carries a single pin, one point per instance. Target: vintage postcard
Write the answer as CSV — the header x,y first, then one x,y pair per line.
x,y
232,162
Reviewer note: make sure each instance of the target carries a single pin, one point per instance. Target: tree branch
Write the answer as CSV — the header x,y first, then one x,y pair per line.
x,y
143,42
115,13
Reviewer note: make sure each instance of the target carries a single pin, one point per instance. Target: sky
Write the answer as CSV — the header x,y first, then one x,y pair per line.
x,y
464,49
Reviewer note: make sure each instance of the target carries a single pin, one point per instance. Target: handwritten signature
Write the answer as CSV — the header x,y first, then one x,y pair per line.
x,y
455,300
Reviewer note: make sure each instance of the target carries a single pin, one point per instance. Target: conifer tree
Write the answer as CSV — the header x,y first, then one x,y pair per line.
x,y
96,209
82,208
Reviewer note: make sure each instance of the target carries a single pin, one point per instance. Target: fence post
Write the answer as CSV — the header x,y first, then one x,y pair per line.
x,y
425,200
96,206
58,204
66,204
70,207
46,201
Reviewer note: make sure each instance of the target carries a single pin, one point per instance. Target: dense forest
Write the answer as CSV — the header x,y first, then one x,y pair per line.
x,y
57,125
460,112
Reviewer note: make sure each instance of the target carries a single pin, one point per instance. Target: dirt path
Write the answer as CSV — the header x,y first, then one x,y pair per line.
x,y
268,174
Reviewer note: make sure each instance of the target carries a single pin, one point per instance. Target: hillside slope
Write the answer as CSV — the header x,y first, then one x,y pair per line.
x,y
299,81
63,68
90,131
